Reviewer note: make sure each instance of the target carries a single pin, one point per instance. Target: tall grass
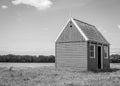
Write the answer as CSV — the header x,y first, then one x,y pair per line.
x,y
49,76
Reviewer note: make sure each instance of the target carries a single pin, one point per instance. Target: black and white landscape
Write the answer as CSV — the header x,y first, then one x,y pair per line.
x,y
30,28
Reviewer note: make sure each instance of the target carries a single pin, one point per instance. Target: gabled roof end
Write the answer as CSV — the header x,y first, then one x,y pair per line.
x,y
63,28
79,29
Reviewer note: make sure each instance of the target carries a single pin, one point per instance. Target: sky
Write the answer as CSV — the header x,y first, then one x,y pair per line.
x,y
31,26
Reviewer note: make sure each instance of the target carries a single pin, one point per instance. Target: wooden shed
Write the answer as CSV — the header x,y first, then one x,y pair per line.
x,y
81,45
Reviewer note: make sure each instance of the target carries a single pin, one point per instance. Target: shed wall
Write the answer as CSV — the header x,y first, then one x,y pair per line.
x,y
92,62
71,54
106,62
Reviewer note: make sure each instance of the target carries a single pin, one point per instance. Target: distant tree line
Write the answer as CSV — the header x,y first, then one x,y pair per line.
x,y
115,58
27,58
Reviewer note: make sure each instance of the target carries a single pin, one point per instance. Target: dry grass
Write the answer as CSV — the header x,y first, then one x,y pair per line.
x,y
48,76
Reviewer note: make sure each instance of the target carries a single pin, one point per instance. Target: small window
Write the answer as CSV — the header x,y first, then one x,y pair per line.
x,y
106,52
92,51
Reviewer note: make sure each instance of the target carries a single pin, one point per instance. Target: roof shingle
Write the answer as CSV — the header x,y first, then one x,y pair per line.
x,y
91,32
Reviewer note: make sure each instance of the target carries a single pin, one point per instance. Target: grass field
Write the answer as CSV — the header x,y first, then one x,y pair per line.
x,y
24,65
48,76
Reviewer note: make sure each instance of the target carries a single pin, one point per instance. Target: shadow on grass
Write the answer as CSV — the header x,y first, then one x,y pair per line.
x,y
108,70
113,70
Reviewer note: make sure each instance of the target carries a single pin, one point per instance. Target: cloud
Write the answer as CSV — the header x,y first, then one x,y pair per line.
x,y
4,6
39,4
119,26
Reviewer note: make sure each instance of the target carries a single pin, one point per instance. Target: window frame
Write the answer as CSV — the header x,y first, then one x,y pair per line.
x,y
92,51
106,50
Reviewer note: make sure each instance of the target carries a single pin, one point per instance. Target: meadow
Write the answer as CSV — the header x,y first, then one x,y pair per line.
x,y
25,65
49,76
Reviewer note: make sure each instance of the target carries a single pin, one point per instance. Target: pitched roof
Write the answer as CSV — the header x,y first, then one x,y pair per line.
x,y
88,31
91,32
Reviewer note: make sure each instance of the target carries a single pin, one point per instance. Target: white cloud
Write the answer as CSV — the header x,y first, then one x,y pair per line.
x,y
39,4
119,26
4,6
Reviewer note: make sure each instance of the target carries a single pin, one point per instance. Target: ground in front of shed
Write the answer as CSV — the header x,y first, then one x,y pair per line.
x,y
48,76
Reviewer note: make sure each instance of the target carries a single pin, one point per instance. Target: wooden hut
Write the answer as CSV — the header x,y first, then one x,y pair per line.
x,y
81,45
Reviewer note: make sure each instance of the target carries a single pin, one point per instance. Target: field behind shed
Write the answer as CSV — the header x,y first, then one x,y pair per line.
x,y
48,76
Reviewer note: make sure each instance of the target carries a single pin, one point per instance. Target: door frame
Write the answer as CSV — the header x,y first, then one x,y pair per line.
x,y
101,55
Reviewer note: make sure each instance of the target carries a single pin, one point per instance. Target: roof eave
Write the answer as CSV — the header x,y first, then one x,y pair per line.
x,y
99,42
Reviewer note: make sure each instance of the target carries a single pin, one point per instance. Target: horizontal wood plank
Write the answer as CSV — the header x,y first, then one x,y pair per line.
x,y
72,54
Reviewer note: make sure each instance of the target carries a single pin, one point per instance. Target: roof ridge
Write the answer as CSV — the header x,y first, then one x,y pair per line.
x,y
84,22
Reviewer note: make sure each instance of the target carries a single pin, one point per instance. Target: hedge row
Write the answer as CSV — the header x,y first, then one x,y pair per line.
x,y
115,58
27,58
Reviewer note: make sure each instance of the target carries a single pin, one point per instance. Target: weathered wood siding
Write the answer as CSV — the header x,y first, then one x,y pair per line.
x,y
71,54
70,34
106,62
92,62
